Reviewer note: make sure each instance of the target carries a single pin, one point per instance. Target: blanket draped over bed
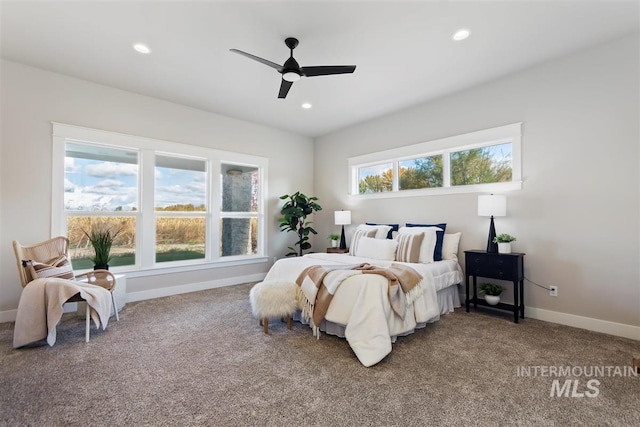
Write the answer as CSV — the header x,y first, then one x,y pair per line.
x,y
360,302
40,308
317,284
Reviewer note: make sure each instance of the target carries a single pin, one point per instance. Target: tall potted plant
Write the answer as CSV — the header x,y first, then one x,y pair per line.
x,y
294,218
101,238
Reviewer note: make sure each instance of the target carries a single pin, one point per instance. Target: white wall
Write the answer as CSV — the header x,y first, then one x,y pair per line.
x,y
32,98
577,216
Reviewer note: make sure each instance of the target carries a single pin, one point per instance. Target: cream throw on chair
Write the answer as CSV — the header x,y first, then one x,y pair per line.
x,y
40,306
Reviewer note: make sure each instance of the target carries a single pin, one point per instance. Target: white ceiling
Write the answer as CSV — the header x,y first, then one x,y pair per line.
x,y
402,49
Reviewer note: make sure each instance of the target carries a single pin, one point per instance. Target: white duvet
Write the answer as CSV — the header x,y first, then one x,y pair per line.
x,y
361,302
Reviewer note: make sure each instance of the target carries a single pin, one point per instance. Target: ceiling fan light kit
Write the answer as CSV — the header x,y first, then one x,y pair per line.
x,y
291,71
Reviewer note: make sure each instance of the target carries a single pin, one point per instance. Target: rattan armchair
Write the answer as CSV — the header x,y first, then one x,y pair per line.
x,y
54,248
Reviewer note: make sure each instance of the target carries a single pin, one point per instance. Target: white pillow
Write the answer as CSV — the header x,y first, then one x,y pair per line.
x,y
381,230
355,240
428,243
450,246
383,249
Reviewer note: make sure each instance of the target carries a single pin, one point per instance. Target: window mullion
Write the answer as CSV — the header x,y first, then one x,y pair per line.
x,y
395,183
446,169
146,240
215,205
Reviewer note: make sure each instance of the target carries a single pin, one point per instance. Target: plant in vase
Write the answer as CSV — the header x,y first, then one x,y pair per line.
x,y
504,242
335,238
101,238
491,292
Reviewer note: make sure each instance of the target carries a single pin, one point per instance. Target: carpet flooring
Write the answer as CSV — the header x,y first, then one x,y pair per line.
x,y
201,359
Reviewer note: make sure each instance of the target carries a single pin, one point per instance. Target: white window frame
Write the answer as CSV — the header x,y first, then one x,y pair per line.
x,y
504,134
145,216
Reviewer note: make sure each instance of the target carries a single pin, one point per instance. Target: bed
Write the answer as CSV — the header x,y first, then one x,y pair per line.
x,y
360,309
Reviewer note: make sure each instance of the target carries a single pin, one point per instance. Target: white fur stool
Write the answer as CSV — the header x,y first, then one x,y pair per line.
x,y
273,298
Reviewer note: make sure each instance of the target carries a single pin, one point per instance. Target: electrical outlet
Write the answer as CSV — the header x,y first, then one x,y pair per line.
x,y
553,291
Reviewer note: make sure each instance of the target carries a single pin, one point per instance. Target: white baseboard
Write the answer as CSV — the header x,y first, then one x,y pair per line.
x,y
596,325
193,287
10,315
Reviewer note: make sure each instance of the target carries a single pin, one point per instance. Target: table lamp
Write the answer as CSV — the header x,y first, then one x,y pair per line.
x,y
492,205
342,218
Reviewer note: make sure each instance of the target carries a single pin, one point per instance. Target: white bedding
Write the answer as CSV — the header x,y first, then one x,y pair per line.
x,y
361,302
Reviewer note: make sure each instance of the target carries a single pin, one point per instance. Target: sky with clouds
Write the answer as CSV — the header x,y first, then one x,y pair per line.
x,y
93,185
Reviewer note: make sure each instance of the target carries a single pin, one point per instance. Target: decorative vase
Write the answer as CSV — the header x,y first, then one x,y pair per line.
x,y
492,299
504,248
334,243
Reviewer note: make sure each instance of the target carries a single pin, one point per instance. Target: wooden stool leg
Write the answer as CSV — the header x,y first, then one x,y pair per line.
x,y
265,322
288,322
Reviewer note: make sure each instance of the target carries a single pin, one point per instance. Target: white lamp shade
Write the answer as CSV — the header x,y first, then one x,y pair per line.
x,y
492,205
342,217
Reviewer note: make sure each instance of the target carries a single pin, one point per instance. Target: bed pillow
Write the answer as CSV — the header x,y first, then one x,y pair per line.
x,y
409,247
437,254
394,227
383,249
450,246
428,242
58,267
356,239
381,230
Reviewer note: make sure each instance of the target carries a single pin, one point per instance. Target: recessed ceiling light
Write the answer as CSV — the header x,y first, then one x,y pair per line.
x,y
306,105
461,34
142,48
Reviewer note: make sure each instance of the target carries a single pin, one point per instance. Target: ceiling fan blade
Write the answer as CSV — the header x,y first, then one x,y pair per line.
x,y
257,58
326,70
284,88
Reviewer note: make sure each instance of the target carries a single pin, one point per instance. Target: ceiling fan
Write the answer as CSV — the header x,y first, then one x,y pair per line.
x,y
291,71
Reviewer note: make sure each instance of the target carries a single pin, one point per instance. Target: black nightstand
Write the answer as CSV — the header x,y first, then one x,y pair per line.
x,y
496,266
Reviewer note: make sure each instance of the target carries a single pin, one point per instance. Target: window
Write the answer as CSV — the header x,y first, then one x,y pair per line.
x,y
100,190
481,165
173,205
375,179
238,217
180,207
487,160
423,172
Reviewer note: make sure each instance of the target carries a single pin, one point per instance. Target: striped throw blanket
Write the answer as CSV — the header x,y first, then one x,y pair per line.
x,y
317,284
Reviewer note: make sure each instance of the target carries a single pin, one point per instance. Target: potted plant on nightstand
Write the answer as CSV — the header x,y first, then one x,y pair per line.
x,y
504,243
335,238
491,293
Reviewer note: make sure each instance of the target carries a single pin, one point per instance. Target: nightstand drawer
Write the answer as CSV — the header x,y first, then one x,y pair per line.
x,y
494,266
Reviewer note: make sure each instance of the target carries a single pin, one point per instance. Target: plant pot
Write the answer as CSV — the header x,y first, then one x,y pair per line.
x,y
101,267
492,299
504,248
334,243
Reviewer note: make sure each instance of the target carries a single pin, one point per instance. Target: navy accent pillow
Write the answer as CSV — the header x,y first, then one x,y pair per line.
x,y
394,227
437,253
